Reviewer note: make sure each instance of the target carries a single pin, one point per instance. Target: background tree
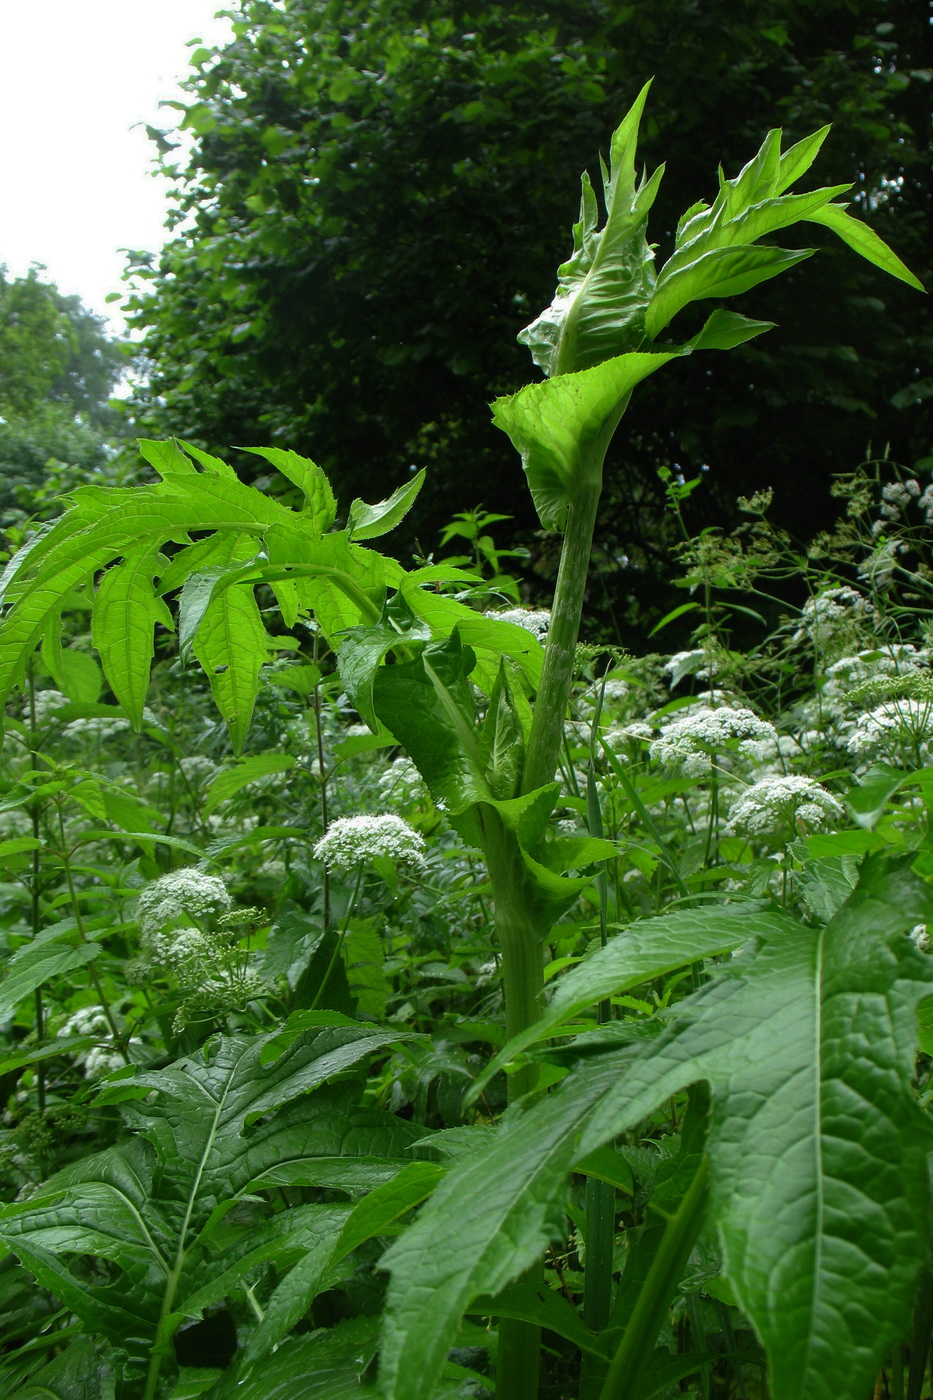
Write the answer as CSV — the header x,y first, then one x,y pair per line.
x,y
366,220
58,368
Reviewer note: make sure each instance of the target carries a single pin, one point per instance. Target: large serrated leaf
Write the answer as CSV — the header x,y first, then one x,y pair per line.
x,y
369,522
650,948
819,1150
208,1128
561,427
320,508
126,609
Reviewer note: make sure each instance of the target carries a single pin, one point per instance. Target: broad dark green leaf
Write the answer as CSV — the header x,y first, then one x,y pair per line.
x,y
819,1151
647,949
37,963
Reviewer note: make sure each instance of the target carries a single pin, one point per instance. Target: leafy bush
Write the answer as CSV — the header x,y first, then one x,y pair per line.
x,y
256,967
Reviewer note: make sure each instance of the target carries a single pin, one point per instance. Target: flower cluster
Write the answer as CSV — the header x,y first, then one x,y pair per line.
x,y
181,893
898,721
191,930
694,736
352,841
97,1060
832,615
534,620
401,784
781,803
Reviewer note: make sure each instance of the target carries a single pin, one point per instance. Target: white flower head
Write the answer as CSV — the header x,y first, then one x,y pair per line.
x,y
639,731
781,803
181,893
401,784
835,612
89,1020
534,620
46,701
186,949
905,719
101,1060
351,841
694,736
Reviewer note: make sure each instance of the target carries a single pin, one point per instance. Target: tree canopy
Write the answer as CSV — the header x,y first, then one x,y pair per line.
x,y
58,368
369,209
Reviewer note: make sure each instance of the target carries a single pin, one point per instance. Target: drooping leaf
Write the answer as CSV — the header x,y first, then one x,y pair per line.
x,y
864,241
428,706
561,427
126,609
232,645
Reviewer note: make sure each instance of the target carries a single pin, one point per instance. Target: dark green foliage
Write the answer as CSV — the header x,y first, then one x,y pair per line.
x,y
376,192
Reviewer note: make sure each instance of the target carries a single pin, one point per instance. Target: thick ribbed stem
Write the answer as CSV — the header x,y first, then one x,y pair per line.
x,y
547,728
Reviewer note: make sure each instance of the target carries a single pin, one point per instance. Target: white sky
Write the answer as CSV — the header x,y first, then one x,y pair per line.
x,y
75,178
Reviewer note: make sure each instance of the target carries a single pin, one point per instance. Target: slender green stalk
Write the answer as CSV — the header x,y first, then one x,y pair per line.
x,y
340,937
322,772
119,1039
623,1380
600,1195
920,1338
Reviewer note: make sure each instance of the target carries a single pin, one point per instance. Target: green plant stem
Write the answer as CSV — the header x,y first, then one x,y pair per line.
x,y
547,729
920,1338
600,1195
623,1379
339,944
118,1038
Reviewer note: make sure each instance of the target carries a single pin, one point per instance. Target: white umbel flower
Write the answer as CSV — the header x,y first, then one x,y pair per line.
x,y
351,841
838,610
894,721
401,785
178,894
692,738
782,802
534,620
